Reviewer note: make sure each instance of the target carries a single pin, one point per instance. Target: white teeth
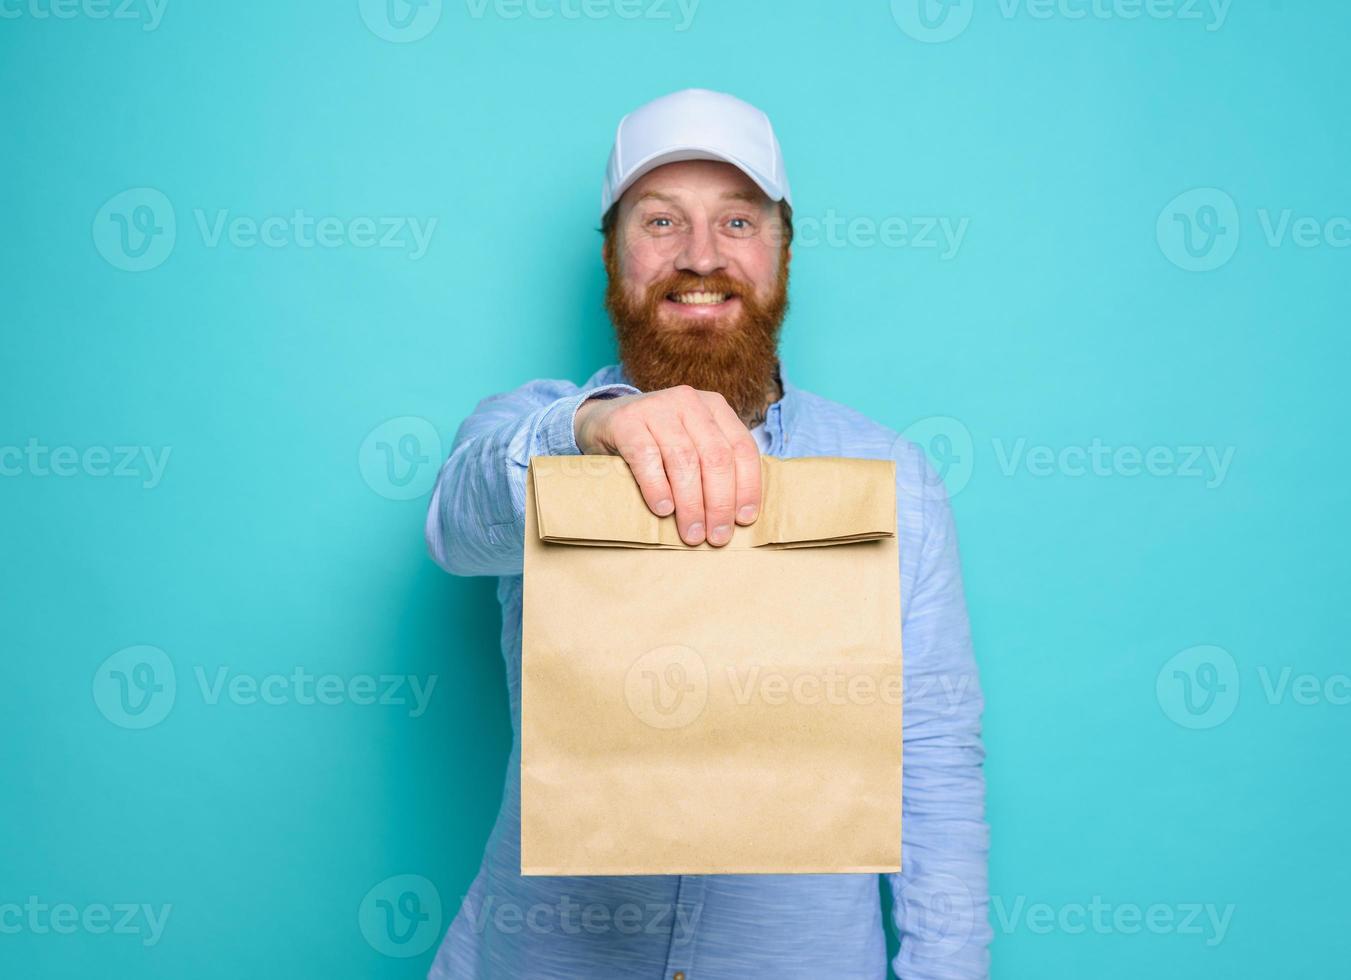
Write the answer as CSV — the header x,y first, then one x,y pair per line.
x,y
701,299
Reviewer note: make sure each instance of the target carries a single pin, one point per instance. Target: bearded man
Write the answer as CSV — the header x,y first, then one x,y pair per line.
x,y
697,223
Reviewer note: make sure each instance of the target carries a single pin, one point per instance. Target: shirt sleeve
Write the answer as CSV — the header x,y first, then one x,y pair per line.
x,y
941,895
476,518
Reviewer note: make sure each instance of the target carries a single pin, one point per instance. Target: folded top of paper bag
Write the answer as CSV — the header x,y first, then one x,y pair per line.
x,y
820,500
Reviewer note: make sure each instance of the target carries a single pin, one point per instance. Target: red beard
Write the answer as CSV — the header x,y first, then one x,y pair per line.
x,y
736,354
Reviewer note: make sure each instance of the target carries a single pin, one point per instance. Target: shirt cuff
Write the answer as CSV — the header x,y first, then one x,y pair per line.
x,y
556,435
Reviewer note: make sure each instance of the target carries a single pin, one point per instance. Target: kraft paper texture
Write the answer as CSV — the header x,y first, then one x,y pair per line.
x,y
701,710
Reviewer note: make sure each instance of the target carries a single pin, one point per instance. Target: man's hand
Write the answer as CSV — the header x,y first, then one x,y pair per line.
x,y
688,451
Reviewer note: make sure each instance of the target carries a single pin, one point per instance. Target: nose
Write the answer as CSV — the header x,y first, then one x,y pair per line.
x,y
699,253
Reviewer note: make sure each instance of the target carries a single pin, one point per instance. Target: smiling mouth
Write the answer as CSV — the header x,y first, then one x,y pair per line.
x,y
694,300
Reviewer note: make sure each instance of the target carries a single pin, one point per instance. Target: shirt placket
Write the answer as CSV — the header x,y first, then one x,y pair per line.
x,y
774,426
685,920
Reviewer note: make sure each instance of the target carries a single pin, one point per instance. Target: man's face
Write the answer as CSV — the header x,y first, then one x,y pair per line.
x,y
698,281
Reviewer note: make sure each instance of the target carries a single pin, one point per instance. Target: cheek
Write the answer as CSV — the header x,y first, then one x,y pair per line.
x,y
638,270
760,266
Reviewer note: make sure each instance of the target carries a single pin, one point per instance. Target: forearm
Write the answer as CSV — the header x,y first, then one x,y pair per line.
x,y
476,518
941,905
941,897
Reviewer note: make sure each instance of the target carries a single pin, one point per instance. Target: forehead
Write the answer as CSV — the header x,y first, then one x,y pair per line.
x,y
690,180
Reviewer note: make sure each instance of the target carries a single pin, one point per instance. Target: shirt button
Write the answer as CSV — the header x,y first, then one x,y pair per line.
x,y
678,975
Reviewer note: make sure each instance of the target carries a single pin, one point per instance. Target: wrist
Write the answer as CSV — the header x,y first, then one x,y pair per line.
x,y
581,431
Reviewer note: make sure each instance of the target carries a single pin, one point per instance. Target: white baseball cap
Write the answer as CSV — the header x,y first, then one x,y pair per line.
x,y
695,124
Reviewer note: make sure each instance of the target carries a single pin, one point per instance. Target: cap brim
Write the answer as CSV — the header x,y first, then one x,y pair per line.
x,y
678,154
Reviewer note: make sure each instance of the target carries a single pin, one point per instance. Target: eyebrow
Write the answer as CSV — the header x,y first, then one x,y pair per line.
x,y
743,195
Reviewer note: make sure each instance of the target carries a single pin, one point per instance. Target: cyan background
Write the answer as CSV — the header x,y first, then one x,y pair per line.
x,y
1061,320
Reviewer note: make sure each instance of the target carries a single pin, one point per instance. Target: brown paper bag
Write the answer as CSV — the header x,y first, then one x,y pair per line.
x,y
701,710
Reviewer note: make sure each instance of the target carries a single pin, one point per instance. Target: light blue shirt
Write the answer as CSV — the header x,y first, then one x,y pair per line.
x,y
733,927
761,434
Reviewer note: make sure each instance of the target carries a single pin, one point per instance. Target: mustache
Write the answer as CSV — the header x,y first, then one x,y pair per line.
x,y
718,282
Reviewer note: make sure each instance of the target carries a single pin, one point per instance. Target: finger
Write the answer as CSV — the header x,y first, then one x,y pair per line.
x,y
681,460
717,469
746,456
639,448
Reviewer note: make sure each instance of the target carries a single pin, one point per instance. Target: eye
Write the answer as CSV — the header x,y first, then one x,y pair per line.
x,y
660,222
741,226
